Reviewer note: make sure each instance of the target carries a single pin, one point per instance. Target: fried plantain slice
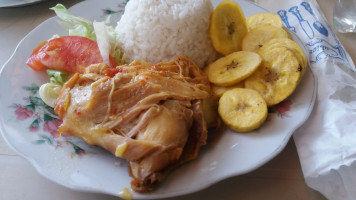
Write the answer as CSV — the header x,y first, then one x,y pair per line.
x,y
290,45
255,38
242,109
233,68
266,18
277,77
218,91
227,27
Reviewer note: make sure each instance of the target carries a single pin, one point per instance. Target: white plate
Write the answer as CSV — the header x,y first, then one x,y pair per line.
x,y
26,125
16,3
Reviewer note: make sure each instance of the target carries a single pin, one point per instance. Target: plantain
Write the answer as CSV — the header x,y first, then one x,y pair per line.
x,y
242,109
255,38
277,77
218,91
233,68
290,45
265,18
227,27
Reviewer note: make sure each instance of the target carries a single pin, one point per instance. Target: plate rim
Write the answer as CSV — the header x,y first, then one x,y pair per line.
x,y
171,194
19,3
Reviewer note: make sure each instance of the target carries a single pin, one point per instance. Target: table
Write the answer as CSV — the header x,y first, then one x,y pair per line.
x,y
280,178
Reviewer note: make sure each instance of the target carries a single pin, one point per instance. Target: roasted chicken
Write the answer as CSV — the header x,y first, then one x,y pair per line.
x,y
150,115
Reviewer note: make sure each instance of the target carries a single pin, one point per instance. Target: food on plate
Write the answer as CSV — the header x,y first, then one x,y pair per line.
x,y
150,115
153,115
68,53
242,109
278,76
282,66
265,18
290,45
257,36
101,32
49,92
233,68
138,91
158,31
227,27
218,91
210,111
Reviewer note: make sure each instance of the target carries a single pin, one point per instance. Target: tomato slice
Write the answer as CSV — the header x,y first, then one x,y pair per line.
x,y
67,53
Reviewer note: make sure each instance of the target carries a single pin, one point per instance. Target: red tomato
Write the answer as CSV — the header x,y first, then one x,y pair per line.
x,y
67,53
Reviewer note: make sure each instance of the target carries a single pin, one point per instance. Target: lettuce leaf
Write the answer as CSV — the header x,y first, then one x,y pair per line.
x,y
57,76
49,93
76,26
102,32
106,39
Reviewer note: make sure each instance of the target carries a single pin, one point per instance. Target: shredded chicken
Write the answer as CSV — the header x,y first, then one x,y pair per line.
x,y
150,115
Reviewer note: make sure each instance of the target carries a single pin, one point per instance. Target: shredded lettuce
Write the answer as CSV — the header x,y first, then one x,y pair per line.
x,y
76,26
57,76
49,93
102,32
103,40
106,39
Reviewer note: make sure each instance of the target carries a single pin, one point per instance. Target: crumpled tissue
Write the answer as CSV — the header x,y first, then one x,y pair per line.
x,y
326,143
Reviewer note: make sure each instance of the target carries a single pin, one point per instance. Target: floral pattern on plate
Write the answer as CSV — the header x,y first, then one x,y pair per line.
x,y
43,118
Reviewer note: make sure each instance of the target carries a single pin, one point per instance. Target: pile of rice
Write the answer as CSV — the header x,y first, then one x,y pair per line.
x,y
158,31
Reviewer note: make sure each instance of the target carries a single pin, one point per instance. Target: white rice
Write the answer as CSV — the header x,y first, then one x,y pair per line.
x,y
160,30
